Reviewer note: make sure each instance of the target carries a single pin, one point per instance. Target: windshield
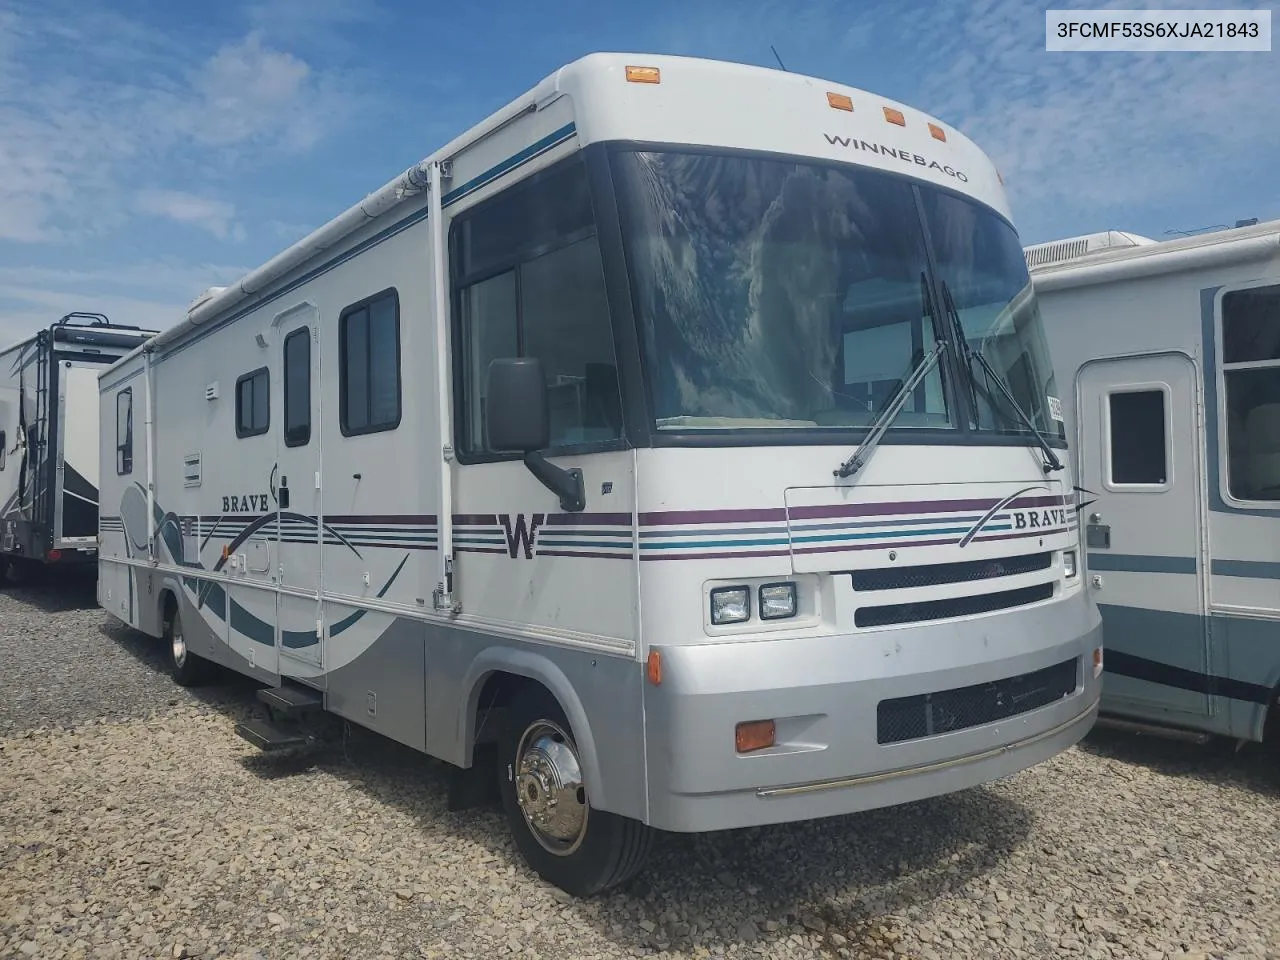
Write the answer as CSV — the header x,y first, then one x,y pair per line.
x,y
980,260
774,293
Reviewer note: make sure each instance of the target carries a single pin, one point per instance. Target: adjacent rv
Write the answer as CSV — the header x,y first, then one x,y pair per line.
x,y
677,449
49,441
1169,354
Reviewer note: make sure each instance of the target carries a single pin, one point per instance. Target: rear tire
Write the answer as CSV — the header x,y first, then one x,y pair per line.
x,y
579,849
188,670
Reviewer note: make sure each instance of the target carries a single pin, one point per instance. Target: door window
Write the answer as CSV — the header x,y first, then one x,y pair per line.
x,y
1138,451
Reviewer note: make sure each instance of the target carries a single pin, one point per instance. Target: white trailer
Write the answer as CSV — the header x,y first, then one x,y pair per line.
x,y
49,441
1169,354
541,460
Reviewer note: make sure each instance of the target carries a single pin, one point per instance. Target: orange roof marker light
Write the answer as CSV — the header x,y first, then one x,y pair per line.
x,y
895,116
644,75
840,102
938,132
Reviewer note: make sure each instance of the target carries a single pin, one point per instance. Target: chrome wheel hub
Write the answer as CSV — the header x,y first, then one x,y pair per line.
x,y
549,788
179,647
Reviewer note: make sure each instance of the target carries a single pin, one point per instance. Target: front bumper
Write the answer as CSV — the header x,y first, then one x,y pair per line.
x,y
823,694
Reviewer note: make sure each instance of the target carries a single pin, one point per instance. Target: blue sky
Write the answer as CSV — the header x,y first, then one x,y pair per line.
x,y
149,149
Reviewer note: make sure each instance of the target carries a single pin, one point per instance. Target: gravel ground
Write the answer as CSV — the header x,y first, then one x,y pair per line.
x,y
134,823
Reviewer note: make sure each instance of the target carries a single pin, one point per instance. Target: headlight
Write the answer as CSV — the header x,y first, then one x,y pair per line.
x,y
730,605
1069,563
777,601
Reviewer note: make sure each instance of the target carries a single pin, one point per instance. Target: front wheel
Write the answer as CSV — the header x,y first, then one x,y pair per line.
x,y
581,850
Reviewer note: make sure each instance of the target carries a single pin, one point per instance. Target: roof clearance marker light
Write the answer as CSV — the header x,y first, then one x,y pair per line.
x,y
895,116
644,75
938,132
840,102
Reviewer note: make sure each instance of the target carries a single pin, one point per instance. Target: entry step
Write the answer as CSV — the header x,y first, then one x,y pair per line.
x,y
291,699
266,736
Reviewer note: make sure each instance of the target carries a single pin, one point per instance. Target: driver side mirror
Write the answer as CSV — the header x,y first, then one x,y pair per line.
x,y
516,415
517,418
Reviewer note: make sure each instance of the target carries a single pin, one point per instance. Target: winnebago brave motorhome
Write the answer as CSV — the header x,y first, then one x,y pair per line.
x,y
49,441
683,433
1169,356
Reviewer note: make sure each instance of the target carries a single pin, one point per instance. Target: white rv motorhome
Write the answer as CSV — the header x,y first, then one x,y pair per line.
x,y
49,441
678,448
1169,356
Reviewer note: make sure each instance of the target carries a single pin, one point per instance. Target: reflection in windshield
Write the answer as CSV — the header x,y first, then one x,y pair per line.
x,y
774,293
981,261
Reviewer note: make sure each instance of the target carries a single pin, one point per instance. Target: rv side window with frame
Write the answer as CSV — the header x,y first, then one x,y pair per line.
x,y
1251,390
369,398
297,388
1138,447
124,431
253,403
528,281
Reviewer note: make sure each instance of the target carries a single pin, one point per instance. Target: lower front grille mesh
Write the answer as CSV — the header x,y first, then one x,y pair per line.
x,y
929,714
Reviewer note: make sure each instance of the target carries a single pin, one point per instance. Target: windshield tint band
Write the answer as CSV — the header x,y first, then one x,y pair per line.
x,y
778,294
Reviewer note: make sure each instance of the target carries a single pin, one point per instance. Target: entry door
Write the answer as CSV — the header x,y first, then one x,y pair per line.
x,y
1139,455
297,485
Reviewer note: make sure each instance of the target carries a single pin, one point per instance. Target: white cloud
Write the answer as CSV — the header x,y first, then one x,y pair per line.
x,y
248,91
149,294
1092,138
94,107
216,216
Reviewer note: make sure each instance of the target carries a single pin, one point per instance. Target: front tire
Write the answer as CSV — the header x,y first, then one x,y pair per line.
x,y
188,670
581,850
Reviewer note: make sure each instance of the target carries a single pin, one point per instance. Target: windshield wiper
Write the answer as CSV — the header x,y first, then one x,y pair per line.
x,y
888,414
1053,464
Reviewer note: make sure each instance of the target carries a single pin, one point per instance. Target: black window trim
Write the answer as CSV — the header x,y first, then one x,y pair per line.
x,y
304,332
347,311
459,283
124,448
1230,500
260,371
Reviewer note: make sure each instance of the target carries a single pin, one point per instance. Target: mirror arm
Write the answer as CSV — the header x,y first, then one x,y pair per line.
x,y
566,484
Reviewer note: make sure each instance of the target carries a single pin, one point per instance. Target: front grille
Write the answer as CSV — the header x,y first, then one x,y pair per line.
x,y
929,714
950,607
932,574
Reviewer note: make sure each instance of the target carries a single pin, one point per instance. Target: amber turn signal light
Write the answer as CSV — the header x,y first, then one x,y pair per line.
x,y
754,735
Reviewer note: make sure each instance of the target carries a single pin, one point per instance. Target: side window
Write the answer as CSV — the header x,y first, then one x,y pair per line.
x,y
529,282
3,449
297,388
1139,449
124,431
253,403
369,365
1251,375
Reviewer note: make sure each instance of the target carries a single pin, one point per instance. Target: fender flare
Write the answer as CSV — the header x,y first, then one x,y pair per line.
x,y
536,667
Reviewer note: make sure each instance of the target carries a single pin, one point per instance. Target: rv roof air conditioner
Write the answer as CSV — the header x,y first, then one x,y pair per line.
x,y
1073,248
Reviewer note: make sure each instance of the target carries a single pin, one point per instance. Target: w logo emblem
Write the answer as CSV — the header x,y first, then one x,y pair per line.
x,y
521,536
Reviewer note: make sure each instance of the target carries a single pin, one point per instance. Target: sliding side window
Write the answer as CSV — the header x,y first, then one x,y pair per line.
x,y
1251,376
529,283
